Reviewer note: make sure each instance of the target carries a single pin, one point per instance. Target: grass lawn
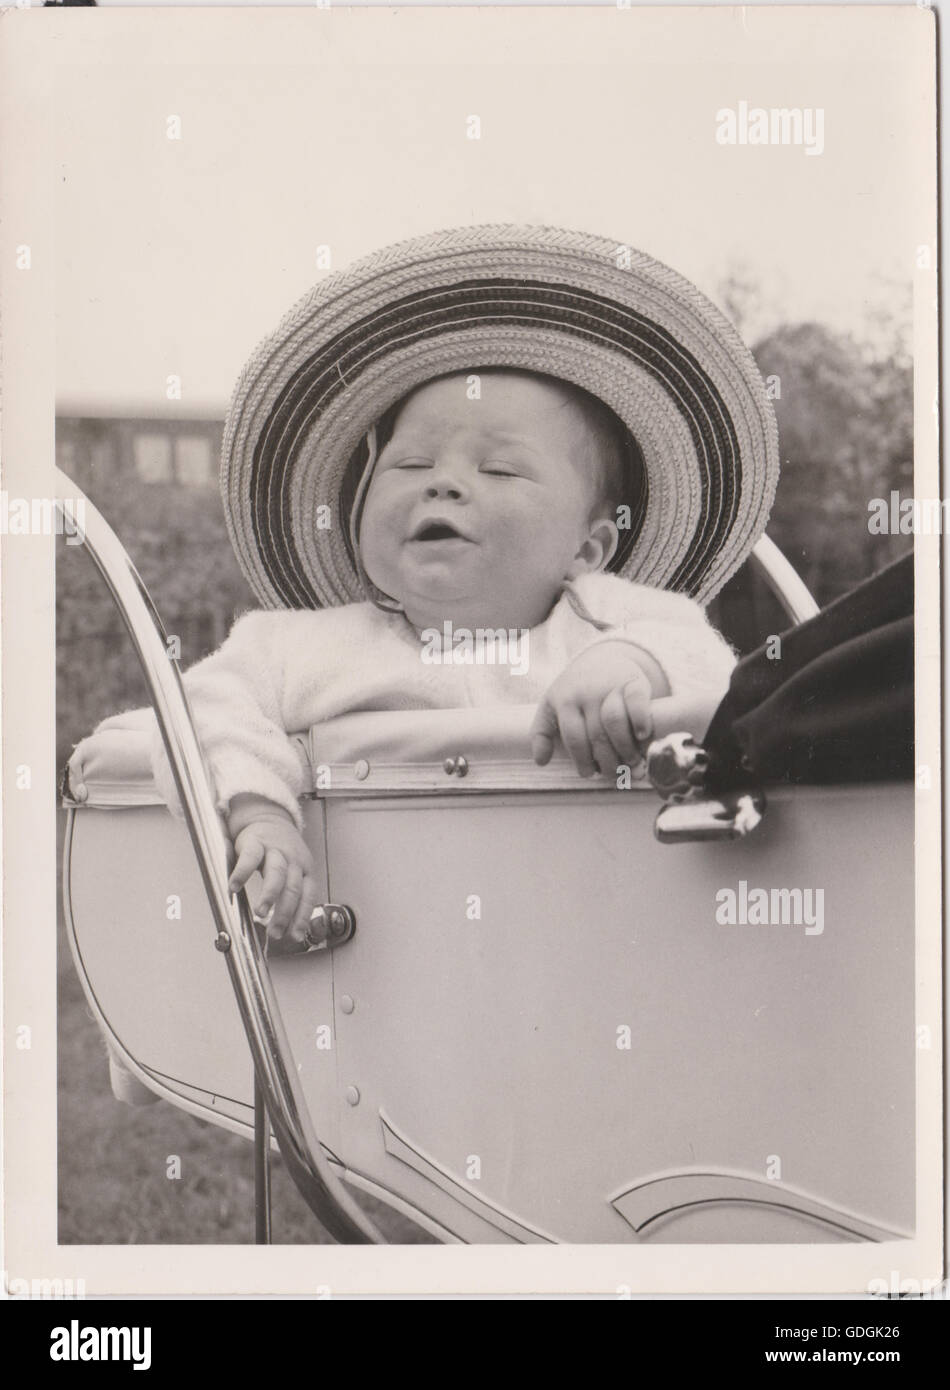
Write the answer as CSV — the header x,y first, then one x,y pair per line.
x,y
113,1188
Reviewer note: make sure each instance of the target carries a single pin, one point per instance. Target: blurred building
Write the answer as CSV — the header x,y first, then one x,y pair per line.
x,y
100,452
156,483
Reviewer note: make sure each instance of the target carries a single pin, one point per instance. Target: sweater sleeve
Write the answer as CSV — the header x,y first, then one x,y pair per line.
x,y
235,695
672,628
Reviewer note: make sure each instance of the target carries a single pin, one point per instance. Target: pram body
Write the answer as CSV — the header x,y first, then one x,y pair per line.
x,y
539,1031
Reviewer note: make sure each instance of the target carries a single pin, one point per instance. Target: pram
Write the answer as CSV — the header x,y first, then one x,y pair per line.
x,y
547,1028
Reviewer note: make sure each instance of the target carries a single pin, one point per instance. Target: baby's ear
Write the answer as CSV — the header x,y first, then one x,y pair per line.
x,y
597,550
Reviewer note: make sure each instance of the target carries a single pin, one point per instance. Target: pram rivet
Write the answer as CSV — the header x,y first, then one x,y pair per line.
x,y
362,770
352,1095
347,1004
458,766
222,942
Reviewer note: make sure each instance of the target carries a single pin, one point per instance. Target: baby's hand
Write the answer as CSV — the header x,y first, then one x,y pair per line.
x,y
266,840
600,704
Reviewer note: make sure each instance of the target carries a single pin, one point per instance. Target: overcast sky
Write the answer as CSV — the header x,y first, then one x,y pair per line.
x,y
178,255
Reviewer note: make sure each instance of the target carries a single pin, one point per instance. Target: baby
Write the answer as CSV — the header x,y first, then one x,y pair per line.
x,y
495,513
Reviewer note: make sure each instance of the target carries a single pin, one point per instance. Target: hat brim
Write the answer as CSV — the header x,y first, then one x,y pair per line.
x,y
595,313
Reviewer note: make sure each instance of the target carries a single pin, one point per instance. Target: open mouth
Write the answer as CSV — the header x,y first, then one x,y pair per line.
x,y
438,531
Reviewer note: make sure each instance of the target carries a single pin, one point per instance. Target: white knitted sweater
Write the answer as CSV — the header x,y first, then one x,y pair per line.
x,y
281,672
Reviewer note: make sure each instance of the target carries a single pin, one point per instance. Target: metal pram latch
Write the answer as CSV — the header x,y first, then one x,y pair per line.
x,y
338,922
331,925
677,767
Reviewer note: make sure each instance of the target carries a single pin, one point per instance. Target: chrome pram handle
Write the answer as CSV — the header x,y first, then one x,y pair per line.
x,y
235,932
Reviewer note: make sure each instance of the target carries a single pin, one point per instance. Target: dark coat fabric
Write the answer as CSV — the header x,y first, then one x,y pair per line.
x,y
837,706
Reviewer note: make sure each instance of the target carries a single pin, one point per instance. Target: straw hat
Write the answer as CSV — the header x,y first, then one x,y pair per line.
x,y
587,310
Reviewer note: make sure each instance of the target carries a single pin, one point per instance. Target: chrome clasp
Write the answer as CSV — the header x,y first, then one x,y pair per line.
x,y
677,768
730,817
337,920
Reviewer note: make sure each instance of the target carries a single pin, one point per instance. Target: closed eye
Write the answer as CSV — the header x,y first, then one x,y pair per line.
x,y
501,472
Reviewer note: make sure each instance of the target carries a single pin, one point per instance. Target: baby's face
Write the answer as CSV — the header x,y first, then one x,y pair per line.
x,y
479,509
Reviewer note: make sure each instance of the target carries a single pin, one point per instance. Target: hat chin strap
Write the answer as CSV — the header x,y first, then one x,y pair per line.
x,y
375,596
580,607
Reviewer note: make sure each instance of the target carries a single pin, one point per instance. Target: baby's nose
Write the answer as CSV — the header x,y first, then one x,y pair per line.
x,y
444,485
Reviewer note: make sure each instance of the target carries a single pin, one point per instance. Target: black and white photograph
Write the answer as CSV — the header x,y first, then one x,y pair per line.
x,y
471,657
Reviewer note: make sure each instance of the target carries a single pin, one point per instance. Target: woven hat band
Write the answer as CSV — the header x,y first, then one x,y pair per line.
x,y
624,328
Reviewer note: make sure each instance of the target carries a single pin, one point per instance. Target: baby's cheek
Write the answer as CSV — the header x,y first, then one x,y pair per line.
x,y
376,549
379,563
541,542
515,531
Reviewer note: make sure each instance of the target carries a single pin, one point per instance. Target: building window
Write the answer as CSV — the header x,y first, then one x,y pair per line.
x,y
193,461
153,457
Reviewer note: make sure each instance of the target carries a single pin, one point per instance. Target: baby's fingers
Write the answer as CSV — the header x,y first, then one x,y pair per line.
x,y
285,908
605,758
637,702
543,733
301,931
275,876
249,859
616,725
301,934
574,737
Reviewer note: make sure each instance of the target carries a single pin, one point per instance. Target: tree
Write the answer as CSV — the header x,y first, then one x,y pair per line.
x,y
845,419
